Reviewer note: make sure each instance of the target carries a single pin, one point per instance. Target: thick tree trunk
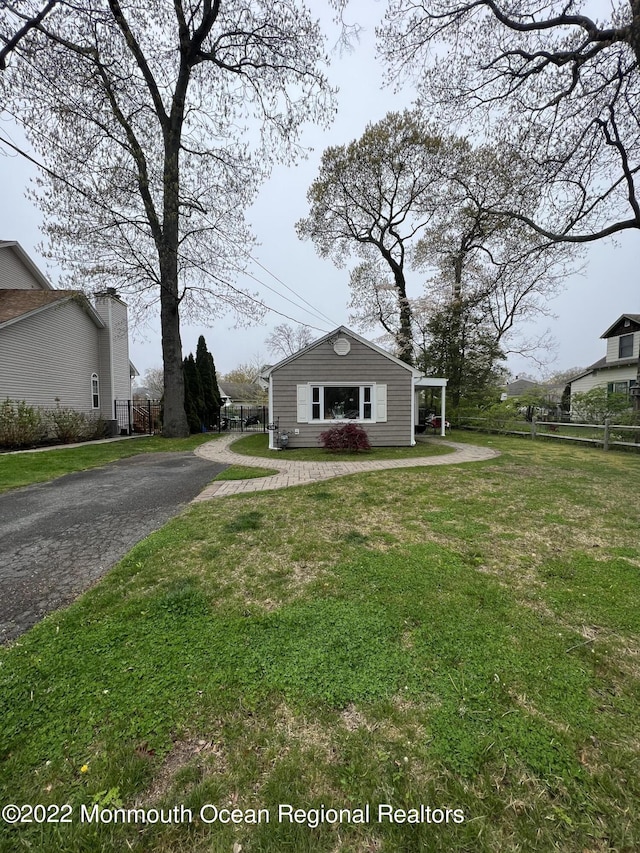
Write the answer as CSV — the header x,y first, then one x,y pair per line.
x,y
175,420
456,343
175,423
405,334
404,337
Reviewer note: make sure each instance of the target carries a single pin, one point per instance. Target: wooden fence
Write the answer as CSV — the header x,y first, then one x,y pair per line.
x,y
606,435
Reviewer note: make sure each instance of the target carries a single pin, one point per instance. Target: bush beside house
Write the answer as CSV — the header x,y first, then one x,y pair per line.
x,y
347,438
22,425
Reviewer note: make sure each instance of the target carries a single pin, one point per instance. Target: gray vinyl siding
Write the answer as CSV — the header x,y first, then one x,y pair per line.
x,y
14,274
361,366
51,354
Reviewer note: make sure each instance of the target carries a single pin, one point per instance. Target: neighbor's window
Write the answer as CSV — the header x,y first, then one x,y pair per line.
x,y
625,346
341,402
95,391
620,387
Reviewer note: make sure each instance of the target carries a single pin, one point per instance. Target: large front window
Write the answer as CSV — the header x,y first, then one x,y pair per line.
x,y
341,402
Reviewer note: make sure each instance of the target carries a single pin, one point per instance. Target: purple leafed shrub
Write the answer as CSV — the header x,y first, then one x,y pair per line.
x,y
348,438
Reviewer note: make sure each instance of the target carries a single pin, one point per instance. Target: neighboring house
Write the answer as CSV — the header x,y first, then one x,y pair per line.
x,y
539,399
618,370
238,394
343,377
56,347
519,387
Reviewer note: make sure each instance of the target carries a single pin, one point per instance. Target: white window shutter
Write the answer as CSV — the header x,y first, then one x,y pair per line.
x,y
303,404
381,402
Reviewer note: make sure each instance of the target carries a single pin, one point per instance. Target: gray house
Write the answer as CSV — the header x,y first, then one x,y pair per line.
x,y
58,347
343,377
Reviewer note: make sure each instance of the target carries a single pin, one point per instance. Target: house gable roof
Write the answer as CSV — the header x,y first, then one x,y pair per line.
x,y
17,305
625,324
17,249
328,337
521,386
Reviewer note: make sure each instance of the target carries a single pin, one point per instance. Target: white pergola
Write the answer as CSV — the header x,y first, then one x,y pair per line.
x,y
432,382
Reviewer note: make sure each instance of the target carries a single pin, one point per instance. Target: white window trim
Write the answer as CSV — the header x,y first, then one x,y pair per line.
x,y
626,335
344,384
96,393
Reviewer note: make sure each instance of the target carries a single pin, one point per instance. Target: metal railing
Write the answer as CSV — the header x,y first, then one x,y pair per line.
x,y
244,418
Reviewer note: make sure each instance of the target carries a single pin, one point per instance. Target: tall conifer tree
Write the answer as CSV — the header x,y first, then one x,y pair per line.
x,y
211,399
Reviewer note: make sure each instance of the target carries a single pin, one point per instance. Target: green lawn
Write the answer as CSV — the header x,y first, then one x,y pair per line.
x,y
257,444
244,472
22,469
461,637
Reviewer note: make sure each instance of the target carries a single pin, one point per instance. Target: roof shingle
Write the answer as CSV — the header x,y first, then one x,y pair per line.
x,y
14,302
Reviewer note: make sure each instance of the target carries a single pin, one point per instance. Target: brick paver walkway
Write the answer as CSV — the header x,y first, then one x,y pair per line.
x,y
291,473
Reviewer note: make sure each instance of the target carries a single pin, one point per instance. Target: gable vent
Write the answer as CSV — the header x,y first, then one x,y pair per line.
x,y
342,346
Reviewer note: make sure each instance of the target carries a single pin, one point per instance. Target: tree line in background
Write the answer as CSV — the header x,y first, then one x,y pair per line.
x,y
556,84
154,128
136,118
415,206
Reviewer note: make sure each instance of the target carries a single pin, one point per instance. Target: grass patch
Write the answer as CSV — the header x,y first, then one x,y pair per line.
x,y
244,472
257,444
462,637
23,469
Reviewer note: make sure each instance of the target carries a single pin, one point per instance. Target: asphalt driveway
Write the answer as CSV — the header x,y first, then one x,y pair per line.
x,y
58,538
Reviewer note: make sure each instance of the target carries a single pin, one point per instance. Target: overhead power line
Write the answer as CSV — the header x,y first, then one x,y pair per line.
x,y
316,313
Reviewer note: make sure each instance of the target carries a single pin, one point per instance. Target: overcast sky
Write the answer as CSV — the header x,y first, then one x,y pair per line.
x,y
591,301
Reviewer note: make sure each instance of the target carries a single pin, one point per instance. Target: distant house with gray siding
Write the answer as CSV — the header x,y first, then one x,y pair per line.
x,y
56,347
618,370
343,377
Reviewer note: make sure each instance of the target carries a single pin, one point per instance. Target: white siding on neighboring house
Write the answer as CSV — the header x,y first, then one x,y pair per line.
x,y
618,370
14,273
601,378
48,355
613,347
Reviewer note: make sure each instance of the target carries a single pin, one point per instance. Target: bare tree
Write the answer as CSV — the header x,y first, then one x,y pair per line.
x,y
419,205
154,382
551,81
555,83
247,372
374,300
25,23
494,263
143,118
286,340
372,198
